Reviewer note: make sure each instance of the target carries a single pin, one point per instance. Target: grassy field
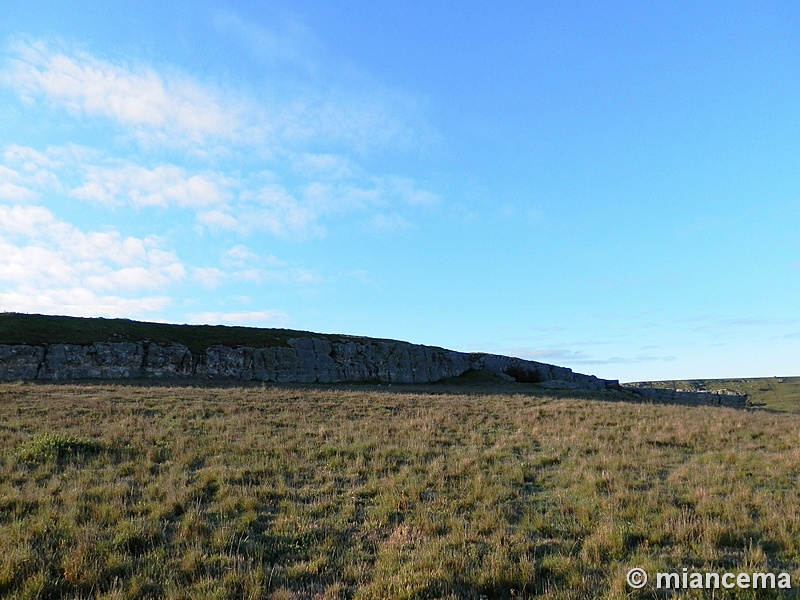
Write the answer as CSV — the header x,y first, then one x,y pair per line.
x,y
124,491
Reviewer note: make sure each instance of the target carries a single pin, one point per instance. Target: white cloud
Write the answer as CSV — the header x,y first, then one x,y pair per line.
x,y
243,204
168,109
364,278
172,110
239,255
575,359
307,276
87,175
79,302
408,192
283,159
209,277
244,265
270,208
28,172
280,213
360,121
218,219
330,166
321,101
385,223
262,317
162,186
286,45
278,275
10,188
365,192
46,262
41,166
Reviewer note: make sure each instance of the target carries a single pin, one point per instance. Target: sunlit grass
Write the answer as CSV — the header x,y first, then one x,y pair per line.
x,y
159,492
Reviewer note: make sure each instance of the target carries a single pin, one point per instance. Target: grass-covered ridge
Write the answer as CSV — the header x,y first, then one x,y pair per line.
x,y
297,493
19,328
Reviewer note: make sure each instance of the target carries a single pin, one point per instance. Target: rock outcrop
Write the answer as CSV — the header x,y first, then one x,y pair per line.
x,y
302,360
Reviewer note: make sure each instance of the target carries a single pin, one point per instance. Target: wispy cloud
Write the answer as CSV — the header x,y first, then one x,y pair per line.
x,y
35,171
238,162
243,265
161,186
788,336
326,166
171,108
626,360
11,188
270,208
81,302
209,277
723,328
384,223
243,204
567,356
240,255
554,355
174,109
287,43
322,101
295,197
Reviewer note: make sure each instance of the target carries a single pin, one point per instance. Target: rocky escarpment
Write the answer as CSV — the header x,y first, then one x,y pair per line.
x,y
301,360
720,397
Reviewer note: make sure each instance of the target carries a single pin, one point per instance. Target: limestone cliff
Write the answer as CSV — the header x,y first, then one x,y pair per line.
x,y
309,359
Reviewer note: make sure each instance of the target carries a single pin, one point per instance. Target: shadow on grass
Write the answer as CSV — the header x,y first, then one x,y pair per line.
x,y
471,383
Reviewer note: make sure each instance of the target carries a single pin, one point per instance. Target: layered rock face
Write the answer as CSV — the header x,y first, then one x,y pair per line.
x,y
303,360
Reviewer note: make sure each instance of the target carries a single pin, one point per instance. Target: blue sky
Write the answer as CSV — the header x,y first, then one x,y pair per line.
x,y
608,186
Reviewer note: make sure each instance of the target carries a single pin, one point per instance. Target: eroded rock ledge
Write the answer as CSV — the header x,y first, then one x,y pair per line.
x,y
302,360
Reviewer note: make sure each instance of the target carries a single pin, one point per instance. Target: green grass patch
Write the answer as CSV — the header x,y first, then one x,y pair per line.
x,y
44,447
